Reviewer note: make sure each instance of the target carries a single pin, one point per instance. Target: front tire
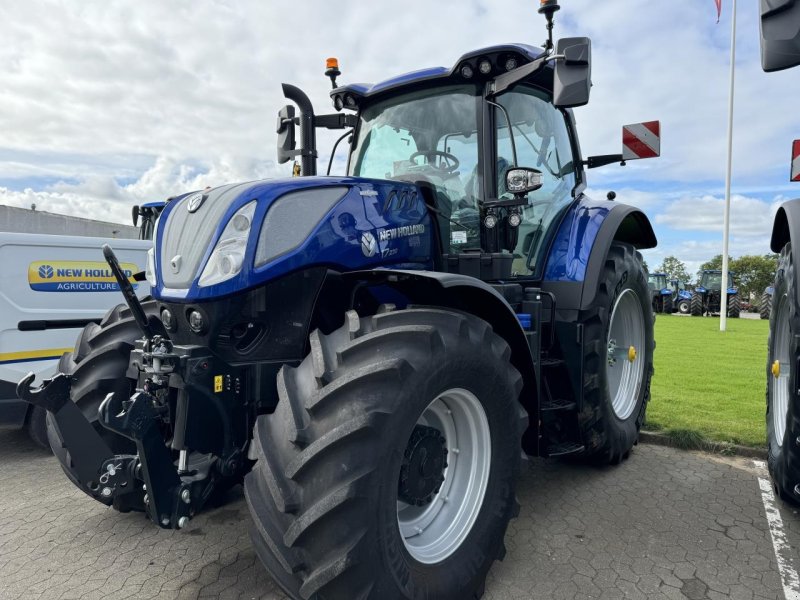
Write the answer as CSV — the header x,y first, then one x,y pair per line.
x,y
783,412
683,307
618,358
339,489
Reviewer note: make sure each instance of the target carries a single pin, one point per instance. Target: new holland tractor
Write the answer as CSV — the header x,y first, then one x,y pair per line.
x,y
681,297
706,299
662,294
780,49
373,353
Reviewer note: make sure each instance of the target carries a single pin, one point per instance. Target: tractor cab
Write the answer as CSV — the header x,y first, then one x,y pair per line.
x,y
711,280
661,293
149,214
490,144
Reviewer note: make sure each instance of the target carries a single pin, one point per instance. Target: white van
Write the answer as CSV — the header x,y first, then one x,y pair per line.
x,y
51,286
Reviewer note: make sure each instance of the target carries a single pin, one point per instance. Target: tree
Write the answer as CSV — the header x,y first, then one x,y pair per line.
x,y
754,273
674,269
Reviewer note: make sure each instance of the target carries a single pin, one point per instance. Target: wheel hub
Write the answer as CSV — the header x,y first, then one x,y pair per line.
x,y
422,469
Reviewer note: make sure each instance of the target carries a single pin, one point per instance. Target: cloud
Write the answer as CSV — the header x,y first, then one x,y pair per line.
x,y
749,217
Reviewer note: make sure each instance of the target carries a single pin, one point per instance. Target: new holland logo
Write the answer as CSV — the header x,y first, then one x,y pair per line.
x,y
76,276
195,202
368,244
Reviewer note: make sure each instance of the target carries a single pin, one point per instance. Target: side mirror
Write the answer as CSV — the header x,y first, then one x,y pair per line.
x,y
521,180
780,34
135,216
795,173
572,77
285,130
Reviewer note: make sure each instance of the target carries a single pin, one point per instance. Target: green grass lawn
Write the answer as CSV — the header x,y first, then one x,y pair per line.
x,y
710,382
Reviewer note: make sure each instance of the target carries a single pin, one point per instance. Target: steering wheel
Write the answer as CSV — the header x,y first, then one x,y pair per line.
x,y
451,161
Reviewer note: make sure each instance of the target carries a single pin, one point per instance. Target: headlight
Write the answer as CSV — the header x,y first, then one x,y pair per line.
x,y
150,269
227,258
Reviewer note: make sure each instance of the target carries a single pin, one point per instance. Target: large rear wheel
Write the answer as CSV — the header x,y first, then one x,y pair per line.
x,y
618,358
734,306
696,305
783,409
389,467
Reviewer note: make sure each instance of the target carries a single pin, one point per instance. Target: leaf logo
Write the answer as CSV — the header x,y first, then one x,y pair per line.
x,y
46,272
368,244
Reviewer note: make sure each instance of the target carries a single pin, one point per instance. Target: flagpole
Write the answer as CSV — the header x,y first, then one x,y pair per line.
x,y
723,298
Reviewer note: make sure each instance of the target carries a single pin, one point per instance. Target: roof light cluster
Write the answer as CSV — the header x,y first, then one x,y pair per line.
x,y
346,100
489,66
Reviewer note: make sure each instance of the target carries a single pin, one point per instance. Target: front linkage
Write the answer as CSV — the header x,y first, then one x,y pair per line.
x,y
170,491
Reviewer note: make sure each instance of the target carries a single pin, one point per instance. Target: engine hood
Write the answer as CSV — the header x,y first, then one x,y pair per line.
x,y
344,223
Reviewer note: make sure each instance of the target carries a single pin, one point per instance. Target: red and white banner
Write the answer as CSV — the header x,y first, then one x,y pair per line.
x,y
795,176
719,8
641,140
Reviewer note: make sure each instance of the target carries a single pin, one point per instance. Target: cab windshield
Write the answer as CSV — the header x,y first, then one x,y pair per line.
x,y
658,282
428,137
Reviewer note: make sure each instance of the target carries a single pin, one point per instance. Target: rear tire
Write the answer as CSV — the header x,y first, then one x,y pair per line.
x,y
696,305
98,365
616,381
36,426
666,306
324,492
734,307
783,407
765,306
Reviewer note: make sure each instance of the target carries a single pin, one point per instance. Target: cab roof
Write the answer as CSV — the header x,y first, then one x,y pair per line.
x,y
497,55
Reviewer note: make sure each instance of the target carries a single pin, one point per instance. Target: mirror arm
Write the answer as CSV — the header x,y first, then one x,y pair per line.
x,y
603,159
335,121
502,82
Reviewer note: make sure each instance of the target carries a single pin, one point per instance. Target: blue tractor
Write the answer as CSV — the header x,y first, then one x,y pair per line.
x,y
681,297
662,294
370,353
707,296
149,214
780,49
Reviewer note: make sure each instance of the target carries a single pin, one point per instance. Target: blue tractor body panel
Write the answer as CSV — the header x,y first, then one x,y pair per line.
x,y
375,224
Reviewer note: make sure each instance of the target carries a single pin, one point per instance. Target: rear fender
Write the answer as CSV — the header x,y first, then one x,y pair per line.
x,y
459,292
785,229
579,251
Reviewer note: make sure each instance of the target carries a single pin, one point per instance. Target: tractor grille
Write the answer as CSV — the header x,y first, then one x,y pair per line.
x,y
188,235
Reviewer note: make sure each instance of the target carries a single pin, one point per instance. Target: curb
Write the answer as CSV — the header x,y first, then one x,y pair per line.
x,y
659,439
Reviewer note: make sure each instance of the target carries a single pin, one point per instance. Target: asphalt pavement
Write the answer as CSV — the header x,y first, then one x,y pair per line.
x,y
665,524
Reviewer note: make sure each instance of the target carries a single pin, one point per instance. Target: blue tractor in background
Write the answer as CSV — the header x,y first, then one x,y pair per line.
x,y
149,214
706,299
662,294
681,297
370,352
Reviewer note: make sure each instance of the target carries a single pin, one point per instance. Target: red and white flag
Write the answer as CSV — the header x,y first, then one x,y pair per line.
x,y
719,8
795,175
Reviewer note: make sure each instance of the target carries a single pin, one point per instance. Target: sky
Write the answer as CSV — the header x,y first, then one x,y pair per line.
x,y
107,104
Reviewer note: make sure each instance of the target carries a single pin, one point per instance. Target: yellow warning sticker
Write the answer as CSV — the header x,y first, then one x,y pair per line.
x,y
217,383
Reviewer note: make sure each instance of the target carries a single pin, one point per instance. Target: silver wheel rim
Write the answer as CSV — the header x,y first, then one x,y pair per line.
x,y
433,532
625,353
779,385
683,307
